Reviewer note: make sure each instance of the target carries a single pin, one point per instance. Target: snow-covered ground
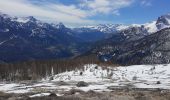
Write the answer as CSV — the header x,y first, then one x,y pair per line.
x,y
99,79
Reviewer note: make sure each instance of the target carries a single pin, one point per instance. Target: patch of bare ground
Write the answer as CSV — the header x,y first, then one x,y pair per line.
x,y
92,95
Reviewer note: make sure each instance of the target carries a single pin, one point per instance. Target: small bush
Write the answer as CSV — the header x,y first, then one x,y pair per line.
x,y
134,78
82,84
158,82
81,73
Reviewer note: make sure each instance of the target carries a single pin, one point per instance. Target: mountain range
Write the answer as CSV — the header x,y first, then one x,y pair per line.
x,y
26,38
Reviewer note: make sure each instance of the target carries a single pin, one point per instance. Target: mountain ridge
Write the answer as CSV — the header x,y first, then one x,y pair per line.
x,y
28,38
152,49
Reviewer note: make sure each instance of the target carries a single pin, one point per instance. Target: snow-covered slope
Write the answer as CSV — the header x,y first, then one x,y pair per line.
x,y
90,73
151,27
141,76
99,79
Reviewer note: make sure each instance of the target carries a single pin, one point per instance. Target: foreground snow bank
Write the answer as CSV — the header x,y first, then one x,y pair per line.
x,y
140,76
99,79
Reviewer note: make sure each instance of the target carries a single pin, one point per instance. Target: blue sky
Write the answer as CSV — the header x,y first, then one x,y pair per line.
x,y
88,12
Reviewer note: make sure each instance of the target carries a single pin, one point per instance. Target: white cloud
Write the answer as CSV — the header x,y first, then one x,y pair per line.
x,y
58,12
107,6
68,14
146,3
70,10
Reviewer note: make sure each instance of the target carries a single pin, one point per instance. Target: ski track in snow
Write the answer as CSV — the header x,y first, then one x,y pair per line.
x,y
99,79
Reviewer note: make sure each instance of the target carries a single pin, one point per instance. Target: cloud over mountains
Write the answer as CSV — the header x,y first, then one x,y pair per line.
x,y
78,11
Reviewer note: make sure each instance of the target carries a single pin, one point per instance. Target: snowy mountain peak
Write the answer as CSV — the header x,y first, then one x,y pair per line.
x,y
4,15
151,27
59,25
148,28
18,19
31,18
163,21
107,28
23,19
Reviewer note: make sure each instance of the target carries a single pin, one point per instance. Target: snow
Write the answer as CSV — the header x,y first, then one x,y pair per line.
x,y
2,42
108,28
22,20
7,86
151,27
168,20
135,25
122,27
142,72
43,94
40,95
4,30
99,79
111,28
10,38
90,74
141,76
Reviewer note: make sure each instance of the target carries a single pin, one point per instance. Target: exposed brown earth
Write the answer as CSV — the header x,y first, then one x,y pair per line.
x,y
122,94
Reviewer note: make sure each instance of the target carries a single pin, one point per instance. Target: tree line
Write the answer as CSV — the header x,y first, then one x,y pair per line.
x,y
34,70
